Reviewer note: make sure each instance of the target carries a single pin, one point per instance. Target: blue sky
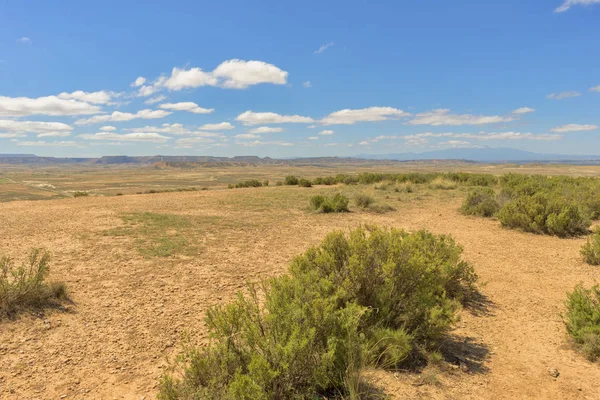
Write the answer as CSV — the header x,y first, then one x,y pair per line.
x,y
312,78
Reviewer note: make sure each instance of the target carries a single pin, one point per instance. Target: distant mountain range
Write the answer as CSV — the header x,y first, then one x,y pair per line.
x,y
489,155
484,155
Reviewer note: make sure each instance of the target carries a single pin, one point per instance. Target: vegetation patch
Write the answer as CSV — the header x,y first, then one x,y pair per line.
x,y
26,288
371,298
247,184
583,320
336,204
442,183
156,235
80,194
591,249
481,201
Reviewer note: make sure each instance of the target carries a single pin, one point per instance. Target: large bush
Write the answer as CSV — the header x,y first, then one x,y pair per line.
x,y
545,213
583,319
591,249
336,204
370,298
481,201
25,287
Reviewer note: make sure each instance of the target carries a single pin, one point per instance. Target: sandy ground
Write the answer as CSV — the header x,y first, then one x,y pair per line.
x,y
130,312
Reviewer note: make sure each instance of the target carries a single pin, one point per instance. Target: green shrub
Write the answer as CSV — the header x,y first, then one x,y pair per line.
x,y
291,180
248,184
591,249
583,319
25,287
442,184
265,183
336,204
482,202
370,298
363,200
80,194
544,213
304,183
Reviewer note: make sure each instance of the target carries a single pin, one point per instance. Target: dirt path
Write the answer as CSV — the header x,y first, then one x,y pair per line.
x,y
130,311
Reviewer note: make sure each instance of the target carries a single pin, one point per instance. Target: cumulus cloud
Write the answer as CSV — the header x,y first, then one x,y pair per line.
x,y
240,74
326,132
127,137
422,137
100,97
524,110
174,129
265,129
33,126
41,143
261,143
307,84
371,114
139,81
11,135
247,136
324,47
442,116
313,138
260,118
563,95
230,74
221,126
595,89
194,140
156,99
121,116
49,105
574,128
54,134
187,106
24,40
570,3
108,128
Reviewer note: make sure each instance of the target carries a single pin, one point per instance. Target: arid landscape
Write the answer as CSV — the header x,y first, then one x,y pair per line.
x,y
143,269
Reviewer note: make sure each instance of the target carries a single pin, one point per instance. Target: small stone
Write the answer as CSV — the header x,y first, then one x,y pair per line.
x,y
553,372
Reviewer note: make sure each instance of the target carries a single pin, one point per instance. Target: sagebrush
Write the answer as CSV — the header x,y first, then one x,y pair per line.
x,y
25,287
336,204
583,320
370,298
591,249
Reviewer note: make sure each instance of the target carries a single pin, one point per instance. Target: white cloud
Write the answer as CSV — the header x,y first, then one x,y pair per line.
x,y
11,135
147,90
419,137
442,116
247,136
595,89
524,110
188,141
371,114
54,134
49,105
307,84
240,74
456,144
187,106
108,128
222,126
313,138
121,116
127,137
326,132
24,40
101,97
156,99
324,47
174,129
139,81
260,118
574,128
230,74
41,143
265,129
33,126
261,143
563,95
570,3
